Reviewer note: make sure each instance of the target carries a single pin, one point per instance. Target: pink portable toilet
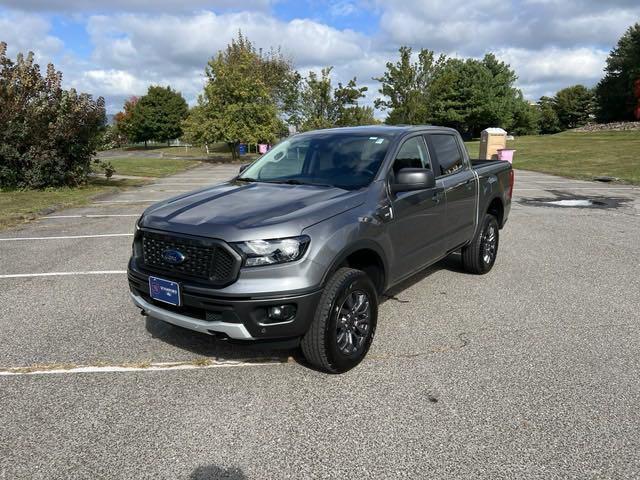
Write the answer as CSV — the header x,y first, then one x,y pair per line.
x,y
506,154
262,148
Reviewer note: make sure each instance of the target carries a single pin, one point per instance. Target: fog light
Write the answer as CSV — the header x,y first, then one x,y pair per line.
x,y
281,313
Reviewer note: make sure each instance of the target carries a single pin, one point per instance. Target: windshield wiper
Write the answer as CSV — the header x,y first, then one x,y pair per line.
x,y
293,181
248,179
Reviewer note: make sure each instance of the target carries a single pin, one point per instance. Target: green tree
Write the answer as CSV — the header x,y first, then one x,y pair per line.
x,y
615,93
574,106
470,95
526,119
239,103
47,134
158,115
322,106
406,87
357,115
466,94
548,122
124,122
283,82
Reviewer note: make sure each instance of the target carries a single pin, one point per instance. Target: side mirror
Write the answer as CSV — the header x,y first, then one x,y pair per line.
x,y
243,167
410,179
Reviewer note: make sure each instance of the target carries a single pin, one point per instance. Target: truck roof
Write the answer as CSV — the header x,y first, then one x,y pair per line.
x,y
389,130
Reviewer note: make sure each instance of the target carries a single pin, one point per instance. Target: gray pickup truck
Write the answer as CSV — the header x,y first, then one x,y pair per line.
x,y
301,244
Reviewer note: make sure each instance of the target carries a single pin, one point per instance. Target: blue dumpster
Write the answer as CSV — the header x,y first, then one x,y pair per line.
x,y
242,149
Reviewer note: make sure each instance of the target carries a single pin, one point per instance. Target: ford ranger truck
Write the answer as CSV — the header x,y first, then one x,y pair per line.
x,y
299,247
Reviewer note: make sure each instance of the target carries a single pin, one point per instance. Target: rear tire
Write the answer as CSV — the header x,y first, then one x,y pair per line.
x,y
479,256
344,324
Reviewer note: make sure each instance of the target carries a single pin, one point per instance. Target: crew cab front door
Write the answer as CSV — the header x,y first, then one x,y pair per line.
x,y
416,229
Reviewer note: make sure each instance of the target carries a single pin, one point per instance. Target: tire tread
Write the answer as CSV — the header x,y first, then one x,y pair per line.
x,y
471,260
313,343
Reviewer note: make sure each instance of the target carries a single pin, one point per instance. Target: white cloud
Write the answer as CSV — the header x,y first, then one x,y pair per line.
x,y
112,82
170,49
132,5
546,71
550,43
165,40
26,32
342,8
471,28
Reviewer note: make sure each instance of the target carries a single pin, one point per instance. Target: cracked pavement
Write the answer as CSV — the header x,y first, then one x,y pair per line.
x,y
530,371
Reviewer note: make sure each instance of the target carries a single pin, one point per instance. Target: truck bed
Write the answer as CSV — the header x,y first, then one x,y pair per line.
x,y
489,166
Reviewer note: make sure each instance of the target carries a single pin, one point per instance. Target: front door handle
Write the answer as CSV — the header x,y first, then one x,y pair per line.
x,y
384,213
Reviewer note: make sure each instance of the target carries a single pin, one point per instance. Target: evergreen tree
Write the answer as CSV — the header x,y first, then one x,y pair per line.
x,y
574,106
615,94
548,122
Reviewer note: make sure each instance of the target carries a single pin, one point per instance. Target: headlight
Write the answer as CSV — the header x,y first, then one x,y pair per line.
x,y
270,252
138,222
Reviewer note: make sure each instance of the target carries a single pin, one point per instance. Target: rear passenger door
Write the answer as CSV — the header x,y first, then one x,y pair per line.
x,y
458,179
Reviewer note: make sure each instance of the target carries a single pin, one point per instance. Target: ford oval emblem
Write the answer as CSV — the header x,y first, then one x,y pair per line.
x,y
174,257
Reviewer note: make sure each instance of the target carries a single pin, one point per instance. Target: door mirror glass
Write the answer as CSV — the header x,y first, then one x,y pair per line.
x,y
410,179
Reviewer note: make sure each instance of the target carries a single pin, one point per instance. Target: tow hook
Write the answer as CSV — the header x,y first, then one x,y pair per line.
x,y
143,312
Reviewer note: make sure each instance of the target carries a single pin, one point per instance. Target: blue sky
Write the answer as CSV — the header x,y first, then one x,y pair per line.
x,y
118,48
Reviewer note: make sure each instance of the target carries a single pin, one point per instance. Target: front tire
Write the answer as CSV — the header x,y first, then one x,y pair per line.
x,y
344,324
479,256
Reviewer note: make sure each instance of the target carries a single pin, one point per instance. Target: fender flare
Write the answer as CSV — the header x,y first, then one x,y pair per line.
x,y
354,247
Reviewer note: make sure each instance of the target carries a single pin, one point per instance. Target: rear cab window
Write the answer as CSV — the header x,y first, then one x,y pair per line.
x,y
445,148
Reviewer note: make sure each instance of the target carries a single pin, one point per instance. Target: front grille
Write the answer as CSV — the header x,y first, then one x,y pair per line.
x,y
204,259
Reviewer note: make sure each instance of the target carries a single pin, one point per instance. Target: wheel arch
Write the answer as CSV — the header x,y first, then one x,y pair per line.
x,y
367,256
496,208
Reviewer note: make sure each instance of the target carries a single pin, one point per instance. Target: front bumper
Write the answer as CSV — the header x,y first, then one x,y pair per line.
x,y
238,318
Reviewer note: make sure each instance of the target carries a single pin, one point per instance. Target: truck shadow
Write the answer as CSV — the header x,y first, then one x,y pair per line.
x,y
210,347
207,346
213,472
452,263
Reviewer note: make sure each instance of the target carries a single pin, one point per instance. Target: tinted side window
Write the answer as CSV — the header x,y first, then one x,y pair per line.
x,y
413,154
447,152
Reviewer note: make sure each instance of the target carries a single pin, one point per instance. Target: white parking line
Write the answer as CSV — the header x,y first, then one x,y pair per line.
x,y
66,237
175,184
153,367
568,182
90,216
170,191
99,202
64,274
516,189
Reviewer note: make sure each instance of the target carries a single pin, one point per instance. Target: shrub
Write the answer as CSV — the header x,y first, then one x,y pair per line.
x,y
47,134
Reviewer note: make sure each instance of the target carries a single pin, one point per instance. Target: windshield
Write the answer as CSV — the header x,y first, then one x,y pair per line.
x,y
343,160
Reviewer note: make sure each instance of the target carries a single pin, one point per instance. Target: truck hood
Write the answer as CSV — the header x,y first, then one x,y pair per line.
x,y
236,211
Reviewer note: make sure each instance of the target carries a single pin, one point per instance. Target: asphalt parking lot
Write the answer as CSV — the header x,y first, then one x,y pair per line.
x,y
528,372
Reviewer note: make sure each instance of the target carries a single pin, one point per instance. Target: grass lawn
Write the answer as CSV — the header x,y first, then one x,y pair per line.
x,y
148,167
19,206
196,152
577,155
217,151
